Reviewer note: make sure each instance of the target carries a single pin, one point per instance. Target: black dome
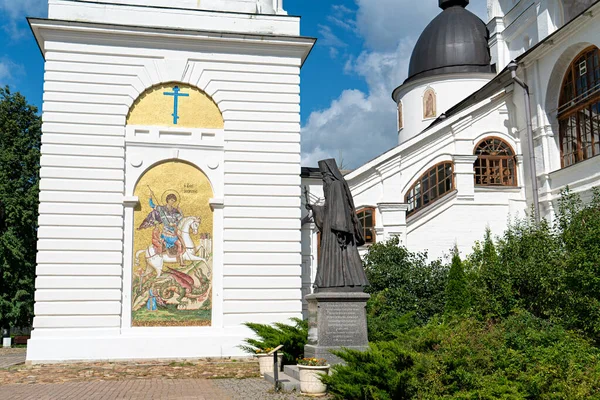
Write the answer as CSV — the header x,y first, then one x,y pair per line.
x,y
456,41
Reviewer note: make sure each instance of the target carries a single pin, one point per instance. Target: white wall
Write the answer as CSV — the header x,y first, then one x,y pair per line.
x,y
185,16
519,25
91,80
450,89
246,6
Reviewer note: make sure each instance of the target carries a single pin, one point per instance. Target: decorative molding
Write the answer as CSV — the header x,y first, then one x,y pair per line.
x,y
130,201
217,204
462,124
464,159
386,207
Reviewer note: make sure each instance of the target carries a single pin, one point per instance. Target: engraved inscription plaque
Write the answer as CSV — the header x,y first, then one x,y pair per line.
x,y
336,320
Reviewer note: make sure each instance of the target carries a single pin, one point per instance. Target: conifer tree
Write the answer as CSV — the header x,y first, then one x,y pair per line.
x,y
457,295
20,135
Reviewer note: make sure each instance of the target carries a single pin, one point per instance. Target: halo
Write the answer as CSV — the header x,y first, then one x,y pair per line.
x,y
163,199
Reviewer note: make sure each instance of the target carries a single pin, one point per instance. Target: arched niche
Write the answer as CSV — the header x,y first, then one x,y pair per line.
x,y
429,104
175,104
172,268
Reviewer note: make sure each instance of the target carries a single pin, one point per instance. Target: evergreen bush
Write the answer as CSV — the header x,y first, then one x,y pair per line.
x,y
292,337
522,357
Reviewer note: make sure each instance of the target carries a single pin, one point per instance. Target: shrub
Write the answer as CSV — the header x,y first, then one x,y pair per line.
x,y
521,357
405,289
292,337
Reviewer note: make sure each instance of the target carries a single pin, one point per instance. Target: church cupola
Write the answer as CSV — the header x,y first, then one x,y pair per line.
x,y
450,61
455,41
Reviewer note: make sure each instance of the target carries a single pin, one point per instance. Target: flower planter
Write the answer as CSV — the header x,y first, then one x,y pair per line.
x,y
265,362
310,382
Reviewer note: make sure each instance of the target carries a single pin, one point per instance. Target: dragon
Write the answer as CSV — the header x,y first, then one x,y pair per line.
x,y
186,287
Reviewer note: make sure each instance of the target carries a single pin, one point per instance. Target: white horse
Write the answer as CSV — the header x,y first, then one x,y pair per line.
x,y
156,260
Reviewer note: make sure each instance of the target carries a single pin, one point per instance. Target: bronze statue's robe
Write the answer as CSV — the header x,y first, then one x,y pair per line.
x,y
340,266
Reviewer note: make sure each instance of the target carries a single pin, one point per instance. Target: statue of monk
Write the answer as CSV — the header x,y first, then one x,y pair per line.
x,y
340,266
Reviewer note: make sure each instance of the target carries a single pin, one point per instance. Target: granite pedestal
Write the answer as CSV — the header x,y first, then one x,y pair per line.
x,y
336,320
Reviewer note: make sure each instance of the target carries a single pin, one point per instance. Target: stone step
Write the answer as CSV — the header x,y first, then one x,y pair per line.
x,y
293,371
286,382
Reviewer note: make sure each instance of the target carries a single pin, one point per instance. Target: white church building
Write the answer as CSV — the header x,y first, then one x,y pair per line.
x,y
171,186
470,155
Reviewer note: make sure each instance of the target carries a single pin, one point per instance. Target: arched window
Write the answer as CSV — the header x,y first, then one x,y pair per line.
x,y
578,109
432,185
366,216
496,163
429,104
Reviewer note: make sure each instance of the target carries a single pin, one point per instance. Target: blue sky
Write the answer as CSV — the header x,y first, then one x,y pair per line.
x,y
362,54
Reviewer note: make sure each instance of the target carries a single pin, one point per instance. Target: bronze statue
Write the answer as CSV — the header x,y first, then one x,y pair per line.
x,y
340,266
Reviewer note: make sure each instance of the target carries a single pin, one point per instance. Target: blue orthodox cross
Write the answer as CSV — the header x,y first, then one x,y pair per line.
x,y
176,95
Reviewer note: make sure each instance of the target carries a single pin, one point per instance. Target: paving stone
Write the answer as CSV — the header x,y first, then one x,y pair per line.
x,y
10,357
163,389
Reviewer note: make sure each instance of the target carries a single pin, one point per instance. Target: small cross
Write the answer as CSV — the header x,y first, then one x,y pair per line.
x,y
176,95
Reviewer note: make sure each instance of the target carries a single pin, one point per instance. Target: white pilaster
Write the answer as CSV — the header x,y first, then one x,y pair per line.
x,y
394,220
464,177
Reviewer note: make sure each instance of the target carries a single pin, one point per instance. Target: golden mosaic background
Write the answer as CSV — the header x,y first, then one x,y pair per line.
x,y
194,192
173,175
154,108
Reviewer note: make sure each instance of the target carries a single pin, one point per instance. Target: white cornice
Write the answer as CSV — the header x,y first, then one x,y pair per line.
x,y
107,34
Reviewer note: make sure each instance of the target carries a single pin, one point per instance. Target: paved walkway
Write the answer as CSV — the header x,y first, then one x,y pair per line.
x,y
149,389
67,384
10,357
197,389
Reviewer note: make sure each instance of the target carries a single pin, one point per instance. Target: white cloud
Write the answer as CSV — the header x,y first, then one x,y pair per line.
x,y
9,71
15,12
359,125
362,125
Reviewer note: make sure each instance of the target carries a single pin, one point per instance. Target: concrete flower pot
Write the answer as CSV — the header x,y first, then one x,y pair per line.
x,y
265,362
310,379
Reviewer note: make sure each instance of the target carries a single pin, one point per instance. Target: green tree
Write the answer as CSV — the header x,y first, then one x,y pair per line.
x,y
579,227
491,280
405,288
457,293
20,136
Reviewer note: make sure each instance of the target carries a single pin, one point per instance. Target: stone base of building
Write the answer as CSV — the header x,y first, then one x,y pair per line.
x,y
336,321
143,346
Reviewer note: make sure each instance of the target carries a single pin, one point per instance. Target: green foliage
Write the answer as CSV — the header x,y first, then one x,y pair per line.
x,y
457,294
292,337
579,231
20,132
523,357
551,271
521,317
405,289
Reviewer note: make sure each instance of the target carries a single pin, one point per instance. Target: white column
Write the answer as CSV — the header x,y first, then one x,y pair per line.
x,y
394,220
129,204
217,205
464,177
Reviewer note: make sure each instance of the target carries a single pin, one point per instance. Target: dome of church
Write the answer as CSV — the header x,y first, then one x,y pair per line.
x,y
456,41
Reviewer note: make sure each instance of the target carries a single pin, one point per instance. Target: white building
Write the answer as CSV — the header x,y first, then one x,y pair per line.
x,y
170,180
463,161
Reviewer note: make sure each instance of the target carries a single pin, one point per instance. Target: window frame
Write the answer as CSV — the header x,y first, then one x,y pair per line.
x,y
419,180
512,158
372,228
573,105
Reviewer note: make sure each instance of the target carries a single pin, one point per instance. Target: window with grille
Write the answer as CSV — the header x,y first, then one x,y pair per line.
x,y
366,216
578,110
495,164
432,185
